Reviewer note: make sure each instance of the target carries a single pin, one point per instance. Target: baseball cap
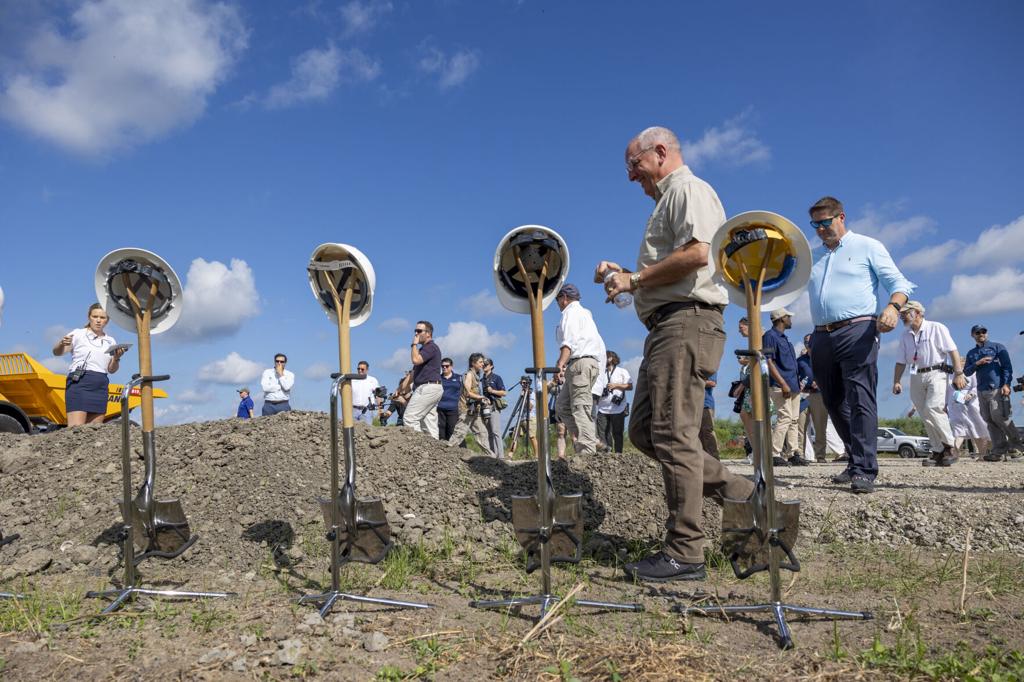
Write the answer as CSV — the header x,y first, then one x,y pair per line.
x,y
978,328
913,305
244,389
779,314
570,291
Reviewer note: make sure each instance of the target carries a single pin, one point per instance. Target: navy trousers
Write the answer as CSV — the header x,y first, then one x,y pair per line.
x,y
845,364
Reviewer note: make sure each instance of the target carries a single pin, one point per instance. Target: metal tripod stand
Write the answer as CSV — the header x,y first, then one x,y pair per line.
x,y
349,525
129,588
520,415
759,533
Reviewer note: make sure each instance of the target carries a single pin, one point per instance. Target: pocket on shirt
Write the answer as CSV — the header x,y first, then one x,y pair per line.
x,y
710,345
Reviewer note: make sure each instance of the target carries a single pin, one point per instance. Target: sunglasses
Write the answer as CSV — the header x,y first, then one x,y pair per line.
x,y
827,222
419,331
446,365
280,362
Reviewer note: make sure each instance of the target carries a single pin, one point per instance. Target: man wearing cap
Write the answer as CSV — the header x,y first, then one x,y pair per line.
x,y
927,348
581,358
990,361
365,403
847,322
784,389
245,405
678,298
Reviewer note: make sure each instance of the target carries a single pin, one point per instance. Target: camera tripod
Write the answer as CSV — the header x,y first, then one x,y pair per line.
x,y
519,417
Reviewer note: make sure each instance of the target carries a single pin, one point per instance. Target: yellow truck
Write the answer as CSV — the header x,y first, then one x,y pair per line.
x,y
32,397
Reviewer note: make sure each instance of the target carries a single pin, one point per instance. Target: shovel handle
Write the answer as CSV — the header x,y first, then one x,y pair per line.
x,y
156,377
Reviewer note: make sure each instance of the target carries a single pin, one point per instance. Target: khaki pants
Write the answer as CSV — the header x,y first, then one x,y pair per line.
x,y
472,422
817,416
421,412
928,393
787,423
680,353
575,404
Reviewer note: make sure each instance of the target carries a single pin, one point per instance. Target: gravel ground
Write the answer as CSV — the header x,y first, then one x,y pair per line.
x,y
250,485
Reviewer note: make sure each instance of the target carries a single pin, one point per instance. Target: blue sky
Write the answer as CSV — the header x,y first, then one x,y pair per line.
x,y
233,138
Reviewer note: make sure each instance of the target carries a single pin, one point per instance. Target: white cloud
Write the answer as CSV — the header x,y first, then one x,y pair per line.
x,y
395,325
399,360
998,245
632,343
451,69
632,365
734,143
984,294
318,73
877,223
464,338
891,347
56,364
801,309
361,17
232,370
122,72
482,304
217,300
319,370
195,396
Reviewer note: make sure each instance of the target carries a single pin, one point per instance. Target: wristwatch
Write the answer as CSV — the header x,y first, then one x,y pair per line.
x,y
895,305
634,281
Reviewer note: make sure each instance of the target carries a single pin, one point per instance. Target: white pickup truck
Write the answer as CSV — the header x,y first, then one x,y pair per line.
x,y
894,440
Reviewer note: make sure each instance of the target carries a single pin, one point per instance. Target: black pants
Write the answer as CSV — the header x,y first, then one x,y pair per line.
x,y
446,421
610,428
845,364
707,433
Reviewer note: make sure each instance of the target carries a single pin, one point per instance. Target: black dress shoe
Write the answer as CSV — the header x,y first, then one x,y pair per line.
x,y
779,462
861,485
842,477
661,568
798,461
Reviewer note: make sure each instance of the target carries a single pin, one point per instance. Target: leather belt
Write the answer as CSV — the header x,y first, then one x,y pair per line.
x,y
275,402
832,326
580,357
423,383
925,370
665,310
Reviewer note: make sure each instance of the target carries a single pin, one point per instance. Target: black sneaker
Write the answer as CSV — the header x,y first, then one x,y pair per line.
x,y
798,461
779,462
841,478
990,457
661,568
861,485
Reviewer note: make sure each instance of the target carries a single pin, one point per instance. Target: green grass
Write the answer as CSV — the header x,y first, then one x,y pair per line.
x,y
37,614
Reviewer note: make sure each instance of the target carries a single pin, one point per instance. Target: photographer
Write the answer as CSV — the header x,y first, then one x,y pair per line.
x,y
85,396
612,407
365,398
494,389
472,405
399,399
990,361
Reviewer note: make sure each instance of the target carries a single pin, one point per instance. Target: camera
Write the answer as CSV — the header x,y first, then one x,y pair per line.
x,y
605,392
617,399
1018,384
485,408
380,392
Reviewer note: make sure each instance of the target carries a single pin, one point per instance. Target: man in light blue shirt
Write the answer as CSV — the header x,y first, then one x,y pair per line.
x,y
847,322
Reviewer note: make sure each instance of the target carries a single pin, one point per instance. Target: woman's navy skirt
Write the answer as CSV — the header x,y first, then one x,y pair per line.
x,y
88,394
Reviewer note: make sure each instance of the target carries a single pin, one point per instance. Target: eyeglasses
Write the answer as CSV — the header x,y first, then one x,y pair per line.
x,y
419,331
827,222
633,161
444,365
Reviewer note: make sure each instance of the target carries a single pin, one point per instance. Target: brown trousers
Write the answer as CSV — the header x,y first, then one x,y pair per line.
x,y
679,355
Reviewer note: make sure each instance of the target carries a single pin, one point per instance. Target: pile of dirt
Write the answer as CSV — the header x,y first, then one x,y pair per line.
x,y
250,488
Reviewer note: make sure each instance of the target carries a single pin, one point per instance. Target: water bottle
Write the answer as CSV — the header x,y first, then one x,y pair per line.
x,y
622,299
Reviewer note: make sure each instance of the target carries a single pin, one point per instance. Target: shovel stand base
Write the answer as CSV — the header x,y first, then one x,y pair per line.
x,y
778,610
328,600
11,595
546,601
123,596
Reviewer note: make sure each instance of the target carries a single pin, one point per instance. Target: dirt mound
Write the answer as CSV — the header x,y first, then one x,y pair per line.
x,y
250,488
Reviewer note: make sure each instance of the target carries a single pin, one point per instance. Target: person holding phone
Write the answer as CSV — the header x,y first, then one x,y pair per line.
x,y
94,355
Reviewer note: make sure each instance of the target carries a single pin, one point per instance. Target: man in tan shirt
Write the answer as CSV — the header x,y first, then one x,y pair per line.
x,y
679,296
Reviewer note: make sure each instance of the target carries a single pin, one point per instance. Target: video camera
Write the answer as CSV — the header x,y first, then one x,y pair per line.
x,y
381,392
1018,384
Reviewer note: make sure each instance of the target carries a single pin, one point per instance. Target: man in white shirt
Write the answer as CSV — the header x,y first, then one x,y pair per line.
x,y
277,385
581,359
611,386
364,403
928,348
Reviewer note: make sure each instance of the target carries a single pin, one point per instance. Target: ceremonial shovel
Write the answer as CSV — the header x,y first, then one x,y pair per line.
x,y
358,529
159,527
549,526
758,533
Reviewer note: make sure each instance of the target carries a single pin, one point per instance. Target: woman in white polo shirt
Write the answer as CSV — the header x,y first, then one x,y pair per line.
x,y
85,397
